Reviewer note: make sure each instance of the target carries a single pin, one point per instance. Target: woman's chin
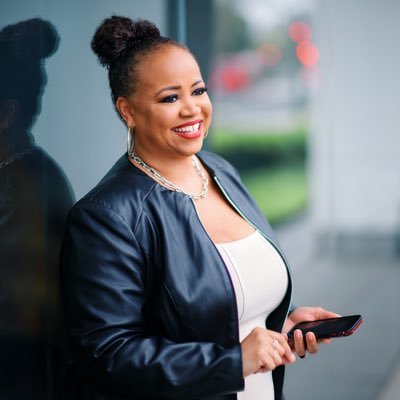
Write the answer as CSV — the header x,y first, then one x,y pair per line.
x,y
192,148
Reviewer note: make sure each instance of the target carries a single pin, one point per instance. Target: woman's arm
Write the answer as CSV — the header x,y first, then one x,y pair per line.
x,y
104,294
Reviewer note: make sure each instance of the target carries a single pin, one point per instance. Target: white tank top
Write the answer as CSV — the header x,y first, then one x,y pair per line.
x,y
260,281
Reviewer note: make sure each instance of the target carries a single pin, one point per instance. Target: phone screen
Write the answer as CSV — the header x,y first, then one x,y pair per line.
x,y
341,326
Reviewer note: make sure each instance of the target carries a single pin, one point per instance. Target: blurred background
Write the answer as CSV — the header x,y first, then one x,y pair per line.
x,y
305,96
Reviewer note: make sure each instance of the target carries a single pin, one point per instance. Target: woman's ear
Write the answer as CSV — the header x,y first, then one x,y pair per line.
x,y
126,111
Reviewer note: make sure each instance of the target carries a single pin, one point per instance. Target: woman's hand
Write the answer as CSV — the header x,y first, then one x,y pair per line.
x,y
306,314
264,350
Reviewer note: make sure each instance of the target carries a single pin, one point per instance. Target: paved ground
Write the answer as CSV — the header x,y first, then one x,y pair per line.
x,y
360,277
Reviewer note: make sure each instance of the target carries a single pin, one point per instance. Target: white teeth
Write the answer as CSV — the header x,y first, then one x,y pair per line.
x,y
188,129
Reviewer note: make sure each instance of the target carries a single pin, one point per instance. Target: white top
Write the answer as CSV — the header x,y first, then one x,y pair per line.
x,y
260,281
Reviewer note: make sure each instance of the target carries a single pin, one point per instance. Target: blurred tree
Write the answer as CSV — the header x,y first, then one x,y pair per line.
x,y
231,32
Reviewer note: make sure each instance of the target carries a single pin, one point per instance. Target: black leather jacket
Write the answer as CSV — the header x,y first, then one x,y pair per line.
x,y
150,308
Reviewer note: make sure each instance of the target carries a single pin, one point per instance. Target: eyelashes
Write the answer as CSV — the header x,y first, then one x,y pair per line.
x,y
174,97
170,99
200,91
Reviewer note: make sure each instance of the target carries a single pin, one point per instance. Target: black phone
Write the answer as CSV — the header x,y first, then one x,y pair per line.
x,y
328,328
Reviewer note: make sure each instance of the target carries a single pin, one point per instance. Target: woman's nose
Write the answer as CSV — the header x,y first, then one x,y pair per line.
x,y
189,107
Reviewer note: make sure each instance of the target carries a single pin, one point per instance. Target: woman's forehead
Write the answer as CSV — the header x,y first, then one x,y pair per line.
x,y
170,65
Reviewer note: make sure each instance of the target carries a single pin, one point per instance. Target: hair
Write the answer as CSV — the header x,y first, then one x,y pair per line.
x,y
120,44
23,48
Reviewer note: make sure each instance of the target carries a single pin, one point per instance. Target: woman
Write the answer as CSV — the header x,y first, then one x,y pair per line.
x,y
158,301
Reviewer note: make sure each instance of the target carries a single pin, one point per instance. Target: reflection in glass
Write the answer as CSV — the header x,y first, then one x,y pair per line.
x,y
34,199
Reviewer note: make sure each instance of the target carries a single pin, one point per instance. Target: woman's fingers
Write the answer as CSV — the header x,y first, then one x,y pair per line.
x,y
305,344
264,350
299,343
277,351
312,344
271,361
278,346
328,314
281,344
276,357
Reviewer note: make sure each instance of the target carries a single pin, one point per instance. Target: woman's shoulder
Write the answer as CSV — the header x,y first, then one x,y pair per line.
x,y
124,188
216,163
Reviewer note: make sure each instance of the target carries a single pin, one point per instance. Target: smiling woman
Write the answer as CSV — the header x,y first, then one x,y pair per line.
x,y
171,121
154,260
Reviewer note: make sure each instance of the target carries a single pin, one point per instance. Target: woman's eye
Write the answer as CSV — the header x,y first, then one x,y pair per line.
x,y
200,91
170,99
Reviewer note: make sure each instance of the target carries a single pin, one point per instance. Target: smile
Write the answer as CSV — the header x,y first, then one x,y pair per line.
x,y
188,129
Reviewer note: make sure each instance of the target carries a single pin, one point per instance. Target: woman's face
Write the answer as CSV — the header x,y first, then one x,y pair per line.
x,y
170,108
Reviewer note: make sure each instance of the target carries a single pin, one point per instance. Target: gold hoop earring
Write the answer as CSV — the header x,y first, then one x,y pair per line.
x,y
130,143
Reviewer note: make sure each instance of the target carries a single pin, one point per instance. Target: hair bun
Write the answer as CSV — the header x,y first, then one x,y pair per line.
x,y
33,39
116,34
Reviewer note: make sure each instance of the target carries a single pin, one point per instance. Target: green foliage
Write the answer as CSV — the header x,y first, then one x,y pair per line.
x,y
249,150
272,166
280,192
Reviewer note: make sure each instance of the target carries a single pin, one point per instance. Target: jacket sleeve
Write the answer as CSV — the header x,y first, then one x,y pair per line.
x,y
103,286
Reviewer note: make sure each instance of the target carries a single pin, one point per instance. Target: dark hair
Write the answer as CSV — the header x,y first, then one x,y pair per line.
x,y
23,48
120,43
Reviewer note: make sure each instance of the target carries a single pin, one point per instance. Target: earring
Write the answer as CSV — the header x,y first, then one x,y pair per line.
x,y
205,134
130,141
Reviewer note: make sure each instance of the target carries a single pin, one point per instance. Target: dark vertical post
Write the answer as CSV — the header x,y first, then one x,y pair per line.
x,y
191,22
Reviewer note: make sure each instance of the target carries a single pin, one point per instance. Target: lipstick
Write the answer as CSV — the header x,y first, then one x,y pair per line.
x,y
189,130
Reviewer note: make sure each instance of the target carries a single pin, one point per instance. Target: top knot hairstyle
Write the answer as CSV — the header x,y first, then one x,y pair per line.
x,y
24,46
29,41
119,44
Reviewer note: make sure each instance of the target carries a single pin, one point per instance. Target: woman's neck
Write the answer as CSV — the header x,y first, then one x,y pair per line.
x,y
12,143
178,170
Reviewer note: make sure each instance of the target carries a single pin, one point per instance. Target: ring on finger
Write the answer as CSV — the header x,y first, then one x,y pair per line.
x,y
275,343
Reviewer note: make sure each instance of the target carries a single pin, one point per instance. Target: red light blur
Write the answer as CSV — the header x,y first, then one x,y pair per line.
x,y
300,32
307,53
234,78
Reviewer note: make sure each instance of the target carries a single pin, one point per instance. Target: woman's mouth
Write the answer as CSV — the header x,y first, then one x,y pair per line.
x,y
190,130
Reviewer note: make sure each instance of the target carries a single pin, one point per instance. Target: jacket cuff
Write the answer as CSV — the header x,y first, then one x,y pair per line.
x,y
232,373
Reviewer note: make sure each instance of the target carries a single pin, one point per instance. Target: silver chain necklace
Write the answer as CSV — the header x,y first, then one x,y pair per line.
x,y
16,157
170,185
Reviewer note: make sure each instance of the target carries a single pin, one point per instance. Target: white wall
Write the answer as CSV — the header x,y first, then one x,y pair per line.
x,y
355,143
78,125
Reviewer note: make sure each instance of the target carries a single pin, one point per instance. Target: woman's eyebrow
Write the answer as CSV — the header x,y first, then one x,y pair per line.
x,y
174,87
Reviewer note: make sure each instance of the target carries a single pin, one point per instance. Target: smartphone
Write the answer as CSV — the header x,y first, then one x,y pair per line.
x,y
328,328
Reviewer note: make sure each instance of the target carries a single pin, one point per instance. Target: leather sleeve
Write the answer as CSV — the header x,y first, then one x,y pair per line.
x,y
103,287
